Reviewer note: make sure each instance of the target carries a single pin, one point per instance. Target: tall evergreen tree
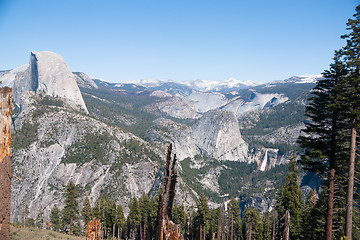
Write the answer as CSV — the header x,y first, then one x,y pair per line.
x,y
234,216
110,216
214,223
96,210
322,141
268,224
179,217
351,93
119,219
202,217
70,212
134,218
252,224
313,216
153,215
145,211
86,211
55,219
290,199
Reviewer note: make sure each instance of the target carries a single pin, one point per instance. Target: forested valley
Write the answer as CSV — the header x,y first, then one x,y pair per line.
x,y
327,147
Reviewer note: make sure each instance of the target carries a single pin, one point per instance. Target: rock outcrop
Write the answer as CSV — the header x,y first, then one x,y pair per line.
x,y
66,145
46,74
215,135
175,106
84,80
218,135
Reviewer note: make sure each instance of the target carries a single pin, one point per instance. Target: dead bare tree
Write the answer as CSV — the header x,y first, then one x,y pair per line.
x,y
166,229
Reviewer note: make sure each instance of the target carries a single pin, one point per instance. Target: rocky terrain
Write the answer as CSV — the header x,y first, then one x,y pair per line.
x,y
232,138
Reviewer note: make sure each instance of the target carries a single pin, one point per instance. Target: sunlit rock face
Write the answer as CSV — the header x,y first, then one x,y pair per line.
x,y
46,74
217,133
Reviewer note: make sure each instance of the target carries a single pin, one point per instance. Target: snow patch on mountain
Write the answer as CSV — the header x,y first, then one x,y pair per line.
x,y
149,82
301,79
213,85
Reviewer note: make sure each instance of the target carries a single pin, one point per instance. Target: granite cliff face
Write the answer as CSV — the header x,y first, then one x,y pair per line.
x,y
46,74
114,144
64,146
217,134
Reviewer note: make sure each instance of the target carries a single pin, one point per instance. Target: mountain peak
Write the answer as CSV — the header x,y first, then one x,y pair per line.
x,y
46,74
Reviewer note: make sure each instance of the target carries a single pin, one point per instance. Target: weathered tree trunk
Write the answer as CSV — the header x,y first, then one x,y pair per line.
x,y
350,192
141,236
93,230
287,226
232,227
330,207
166,229
113,231
250,232
274,226
5,161
144,230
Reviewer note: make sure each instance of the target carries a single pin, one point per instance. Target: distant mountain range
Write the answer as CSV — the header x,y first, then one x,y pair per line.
x,y
232,138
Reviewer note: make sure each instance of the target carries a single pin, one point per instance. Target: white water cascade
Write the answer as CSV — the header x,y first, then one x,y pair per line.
x,y
263,164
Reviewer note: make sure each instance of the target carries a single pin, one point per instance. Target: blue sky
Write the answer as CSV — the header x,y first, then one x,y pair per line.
x,y
177,39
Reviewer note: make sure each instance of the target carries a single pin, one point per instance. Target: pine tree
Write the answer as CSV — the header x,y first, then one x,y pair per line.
x,y
70,213
351,97
102,208
290,199
202,217
119,219
214,223
96,210
252,224
153,215
323,140
55,219
179,217
145,211
234,217
110,216
313,217
268,224
86,211
134,218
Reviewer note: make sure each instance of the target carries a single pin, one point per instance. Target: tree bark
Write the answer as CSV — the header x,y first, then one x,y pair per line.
x,y
274,222
232,227
330,207
250,232
166,229
350,192
5,161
